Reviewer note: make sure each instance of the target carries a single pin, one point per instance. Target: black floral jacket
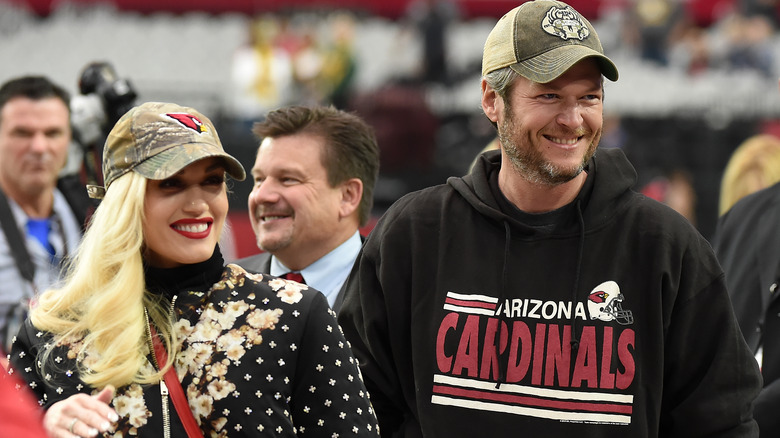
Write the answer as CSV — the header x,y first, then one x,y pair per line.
x,y
260,356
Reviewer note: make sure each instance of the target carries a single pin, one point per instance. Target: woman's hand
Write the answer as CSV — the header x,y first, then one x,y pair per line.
x,y
81,415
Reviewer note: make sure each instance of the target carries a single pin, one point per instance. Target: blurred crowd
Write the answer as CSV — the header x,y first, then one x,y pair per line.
x,y
696,36
694,74
312,56
282,64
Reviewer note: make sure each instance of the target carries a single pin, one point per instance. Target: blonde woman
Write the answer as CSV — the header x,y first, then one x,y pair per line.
x,y
754,165
148,293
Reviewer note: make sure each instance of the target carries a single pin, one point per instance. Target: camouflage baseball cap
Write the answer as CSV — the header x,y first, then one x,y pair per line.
x,y
157,140
541,39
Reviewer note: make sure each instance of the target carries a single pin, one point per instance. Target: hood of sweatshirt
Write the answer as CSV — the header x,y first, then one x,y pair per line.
x,y
609,189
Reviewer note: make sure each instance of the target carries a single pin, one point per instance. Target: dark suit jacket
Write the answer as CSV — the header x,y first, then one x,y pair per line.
x,y
747,243
75,193
261,264
258,263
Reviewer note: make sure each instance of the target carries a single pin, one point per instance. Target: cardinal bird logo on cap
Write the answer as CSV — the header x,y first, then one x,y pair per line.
x,y
189,121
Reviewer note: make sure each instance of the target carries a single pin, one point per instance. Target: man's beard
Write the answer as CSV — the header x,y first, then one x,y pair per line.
x,y
528,159
274,245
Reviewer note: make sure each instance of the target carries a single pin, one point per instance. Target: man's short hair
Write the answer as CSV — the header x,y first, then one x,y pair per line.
x,y
351,149
32,87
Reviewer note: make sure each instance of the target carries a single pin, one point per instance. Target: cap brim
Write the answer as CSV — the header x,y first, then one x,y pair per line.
x,y
547,66
171,161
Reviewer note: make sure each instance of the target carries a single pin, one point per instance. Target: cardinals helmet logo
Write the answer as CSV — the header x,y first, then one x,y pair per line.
x,y
604,303
189,121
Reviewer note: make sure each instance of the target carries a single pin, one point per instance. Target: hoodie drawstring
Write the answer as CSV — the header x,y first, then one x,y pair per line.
x,y
502,365
575,340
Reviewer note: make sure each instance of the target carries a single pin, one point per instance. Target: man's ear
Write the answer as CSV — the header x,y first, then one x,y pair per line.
x,y
490,102
351,194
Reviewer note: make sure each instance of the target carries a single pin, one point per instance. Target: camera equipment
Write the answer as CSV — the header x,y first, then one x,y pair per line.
x,y
103,100
116,94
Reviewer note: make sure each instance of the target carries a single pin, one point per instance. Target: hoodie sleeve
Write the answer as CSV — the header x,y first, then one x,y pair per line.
x,y
377,328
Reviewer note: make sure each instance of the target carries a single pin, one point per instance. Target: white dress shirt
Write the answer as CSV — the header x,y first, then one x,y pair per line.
x,y
329,273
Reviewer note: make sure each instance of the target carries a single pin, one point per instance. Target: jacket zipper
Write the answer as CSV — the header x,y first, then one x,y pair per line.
x,y
163,387
166,415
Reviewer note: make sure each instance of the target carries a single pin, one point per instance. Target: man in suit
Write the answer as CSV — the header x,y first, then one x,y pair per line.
x,y
314,179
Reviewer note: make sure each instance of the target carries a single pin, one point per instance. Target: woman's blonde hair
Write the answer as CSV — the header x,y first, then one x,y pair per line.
x,y
754,165
100,308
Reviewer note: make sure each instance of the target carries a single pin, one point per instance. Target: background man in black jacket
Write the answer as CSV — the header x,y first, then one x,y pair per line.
x,y
747,243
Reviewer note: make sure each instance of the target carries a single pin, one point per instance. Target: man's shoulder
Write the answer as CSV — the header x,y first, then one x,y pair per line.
x,y
752,217
260,263
75,193
751,209
429,198
756,203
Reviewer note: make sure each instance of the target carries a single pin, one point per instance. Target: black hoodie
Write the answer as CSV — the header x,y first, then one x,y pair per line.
x,y
606,318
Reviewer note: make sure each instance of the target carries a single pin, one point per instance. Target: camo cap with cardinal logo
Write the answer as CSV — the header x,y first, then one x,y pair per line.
x,y
157,140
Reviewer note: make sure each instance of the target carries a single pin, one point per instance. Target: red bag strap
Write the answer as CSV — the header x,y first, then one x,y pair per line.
x,y
175,390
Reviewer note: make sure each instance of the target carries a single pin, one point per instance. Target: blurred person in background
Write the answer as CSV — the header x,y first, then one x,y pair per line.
x,y
655,22
754,165
432,19
261,73
540,294
42,214
675,189
339,65
747,243
749,43
20,416
314,177
149,314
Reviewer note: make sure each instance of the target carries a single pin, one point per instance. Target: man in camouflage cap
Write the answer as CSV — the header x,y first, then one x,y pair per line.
x,y
157,140
540,295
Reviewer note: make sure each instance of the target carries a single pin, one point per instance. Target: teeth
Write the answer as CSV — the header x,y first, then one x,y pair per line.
x,y
564,141
270,218
194,228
